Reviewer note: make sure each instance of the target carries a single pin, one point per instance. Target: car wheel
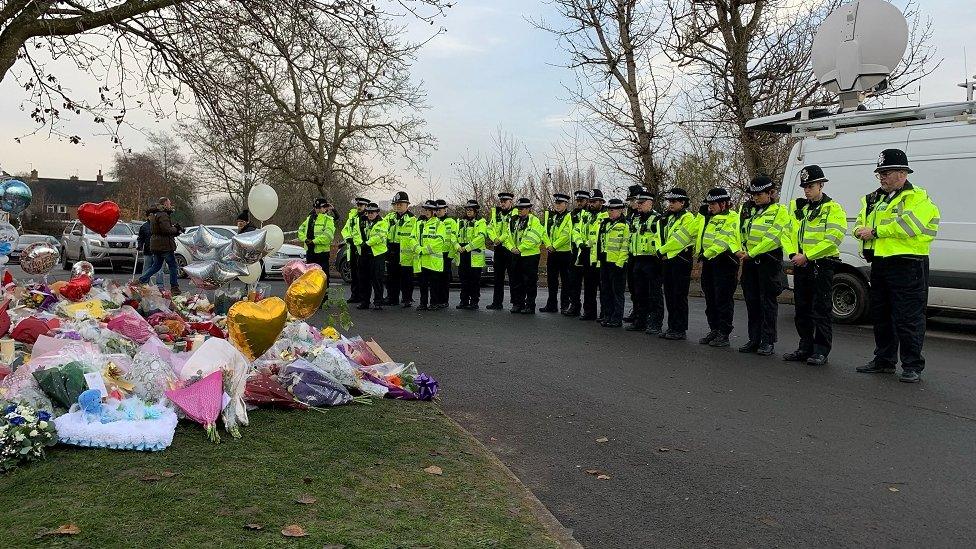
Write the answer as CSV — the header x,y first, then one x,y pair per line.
x,y
342,265
849,297
181,262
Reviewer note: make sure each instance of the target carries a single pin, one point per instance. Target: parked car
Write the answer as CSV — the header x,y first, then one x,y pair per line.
x,y
116,251
26,240
487,274
270,266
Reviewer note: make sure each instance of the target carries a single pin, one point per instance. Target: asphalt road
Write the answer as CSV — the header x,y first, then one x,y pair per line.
x,y
708,447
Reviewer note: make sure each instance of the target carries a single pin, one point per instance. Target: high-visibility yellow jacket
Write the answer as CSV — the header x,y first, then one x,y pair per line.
x,y
645,234
451,237
323,230
613,241
431,244
351,231
403,229
719,234
581,219
472,237
818,229
679,232
377,232
527,235
765,229
498,226
593,231
906,223
559,229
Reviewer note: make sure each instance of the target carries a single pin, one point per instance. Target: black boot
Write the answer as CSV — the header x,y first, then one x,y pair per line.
x,y
796,356
710,337
875,367
721,340
749,347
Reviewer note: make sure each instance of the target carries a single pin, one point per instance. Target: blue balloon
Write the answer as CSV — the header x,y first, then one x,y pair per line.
x,y
15,196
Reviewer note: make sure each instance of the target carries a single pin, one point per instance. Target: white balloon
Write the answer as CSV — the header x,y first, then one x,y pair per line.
x,y
262,202
275,238
4,259
253,274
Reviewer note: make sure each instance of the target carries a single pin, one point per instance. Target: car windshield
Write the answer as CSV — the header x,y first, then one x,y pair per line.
x,y
223,232
120,229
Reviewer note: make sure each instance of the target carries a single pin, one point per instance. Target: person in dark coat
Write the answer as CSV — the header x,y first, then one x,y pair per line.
x,y
142,243
162,244
244,224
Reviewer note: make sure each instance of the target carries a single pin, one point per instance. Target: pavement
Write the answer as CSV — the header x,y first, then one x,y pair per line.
x,y
707,447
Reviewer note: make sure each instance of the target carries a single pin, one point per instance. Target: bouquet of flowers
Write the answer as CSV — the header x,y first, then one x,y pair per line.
x,y
38,296
193,307
24,433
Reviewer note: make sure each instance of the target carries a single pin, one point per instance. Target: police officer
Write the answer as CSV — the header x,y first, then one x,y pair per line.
x,y
717,245
472,237
611,253
399,256
591,271
430,249
316,233
819,225
646,288
896,225
498,223
765,230
528,237
559,229
680,228
574,284
450,227
632,192
352,234
373,252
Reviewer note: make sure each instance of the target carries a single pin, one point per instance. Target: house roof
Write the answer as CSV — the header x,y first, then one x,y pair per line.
x,y
74,191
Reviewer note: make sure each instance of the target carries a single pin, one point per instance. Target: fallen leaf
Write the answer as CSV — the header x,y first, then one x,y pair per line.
x,y
293,531
69,529
307,480
434,470
492,439
395,486
893,489
306,499
769,521
592,472
603,477
253,526
168,474
662,449
151,478
601,440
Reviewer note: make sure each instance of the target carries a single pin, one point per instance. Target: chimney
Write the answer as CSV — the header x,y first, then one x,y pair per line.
x,y
73,178
33,175
98,178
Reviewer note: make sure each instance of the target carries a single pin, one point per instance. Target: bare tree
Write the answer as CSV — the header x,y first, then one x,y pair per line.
x,y
482,176
619,88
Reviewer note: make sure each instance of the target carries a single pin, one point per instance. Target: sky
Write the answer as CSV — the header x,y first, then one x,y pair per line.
x,y
491,69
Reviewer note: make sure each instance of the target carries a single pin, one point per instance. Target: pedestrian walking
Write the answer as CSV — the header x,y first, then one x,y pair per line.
x,y
162,244
645,239
498,224
591,269
472,237
316,233
376,231
142,243
400,252
818,229
680,227
896,226
717,244
574,285
450,227
765,231
611,253
559,230
430,248
528,237
353,235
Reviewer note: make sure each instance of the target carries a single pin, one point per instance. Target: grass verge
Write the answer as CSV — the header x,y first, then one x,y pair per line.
x,y
359,469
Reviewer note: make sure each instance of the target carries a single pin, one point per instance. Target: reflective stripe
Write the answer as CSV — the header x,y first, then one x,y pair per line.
x,y
909,230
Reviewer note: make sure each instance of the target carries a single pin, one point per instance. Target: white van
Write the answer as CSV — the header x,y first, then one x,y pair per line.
x,y
940,140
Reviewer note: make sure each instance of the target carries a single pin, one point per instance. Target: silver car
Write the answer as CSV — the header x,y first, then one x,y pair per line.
x,y
26,240
115,251
270,266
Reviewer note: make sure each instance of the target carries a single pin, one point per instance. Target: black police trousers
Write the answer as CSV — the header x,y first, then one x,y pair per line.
x,y
677,281
504,264
761,285
591,284
355,268
470,280
525,281
318,258
899,295
612,288
558,265
718,281
393,273
442,289
811,296
646,291
372,277
427,280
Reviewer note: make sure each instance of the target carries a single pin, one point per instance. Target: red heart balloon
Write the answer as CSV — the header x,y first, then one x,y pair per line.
x,y
77,288
101,217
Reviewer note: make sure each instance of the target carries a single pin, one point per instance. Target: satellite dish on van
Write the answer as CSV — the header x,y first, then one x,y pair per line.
x,y
857,46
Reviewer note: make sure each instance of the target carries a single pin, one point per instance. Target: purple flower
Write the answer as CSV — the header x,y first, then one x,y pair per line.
x,y
43,416
426,387
17,420
72,335
11,408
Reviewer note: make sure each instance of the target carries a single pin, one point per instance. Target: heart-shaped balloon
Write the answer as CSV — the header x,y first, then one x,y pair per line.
x,y
254,327
57,286
296,268
305,295
101,217
77,288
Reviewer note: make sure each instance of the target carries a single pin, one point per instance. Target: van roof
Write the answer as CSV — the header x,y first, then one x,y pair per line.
x,y
816,119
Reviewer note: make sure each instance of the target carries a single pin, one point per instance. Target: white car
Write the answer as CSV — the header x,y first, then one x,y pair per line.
x,y
116,250
270,266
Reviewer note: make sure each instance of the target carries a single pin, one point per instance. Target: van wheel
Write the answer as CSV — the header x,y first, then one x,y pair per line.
x,y
65,263
849,298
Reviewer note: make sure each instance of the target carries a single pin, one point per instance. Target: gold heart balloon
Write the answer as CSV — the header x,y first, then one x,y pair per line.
x,y
306,293
254,327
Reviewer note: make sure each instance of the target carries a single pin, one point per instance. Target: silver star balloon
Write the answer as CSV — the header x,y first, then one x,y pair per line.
x,y
210,274
248,248
204,244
